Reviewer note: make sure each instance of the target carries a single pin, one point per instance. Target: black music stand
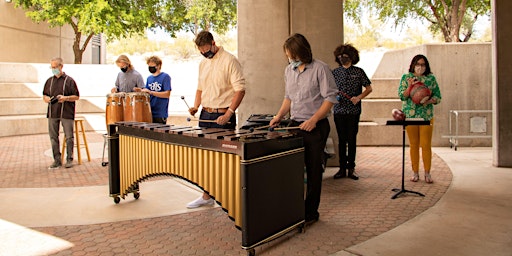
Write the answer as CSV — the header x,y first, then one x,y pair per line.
x,y
405,123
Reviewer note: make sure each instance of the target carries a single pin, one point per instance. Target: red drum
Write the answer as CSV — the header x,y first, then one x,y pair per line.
x,y
114,111
419,93
137,107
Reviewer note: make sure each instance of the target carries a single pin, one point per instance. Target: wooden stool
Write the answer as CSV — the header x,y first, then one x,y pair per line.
x,y
77,144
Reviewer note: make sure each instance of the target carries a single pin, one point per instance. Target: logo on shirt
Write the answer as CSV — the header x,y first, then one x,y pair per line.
x,y
155,86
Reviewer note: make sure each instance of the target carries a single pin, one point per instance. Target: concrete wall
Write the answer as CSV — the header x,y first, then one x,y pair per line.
x,y
22,40
464,74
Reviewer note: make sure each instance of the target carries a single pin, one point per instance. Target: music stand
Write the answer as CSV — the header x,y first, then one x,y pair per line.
x,y
405,123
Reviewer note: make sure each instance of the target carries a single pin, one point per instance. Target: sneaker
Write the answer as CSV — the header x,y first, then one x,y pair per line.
x,y
200,202
69,164
55,165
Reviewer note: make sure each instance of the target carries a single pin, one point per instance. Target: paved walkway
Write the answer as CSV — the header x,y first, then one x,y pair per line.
x,y
69,212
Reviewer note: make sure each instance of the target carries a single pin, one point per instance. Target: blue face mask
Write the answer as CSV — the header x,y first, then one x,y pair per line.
x,y
55,71
294,63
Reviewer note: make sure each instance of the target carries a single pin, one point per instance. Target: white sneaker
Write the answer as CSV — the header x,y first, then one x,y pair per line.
x,y
200,202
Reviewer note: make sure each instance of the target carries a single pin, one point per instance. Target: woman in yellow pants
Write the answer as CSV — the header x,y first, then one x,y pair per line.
x,y
415,106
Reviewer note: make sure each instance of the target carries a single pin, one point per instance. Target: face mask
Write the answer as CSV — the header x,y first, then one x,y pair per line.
x,y
124,69
344,60
419,69
209,54
55,71
152,70
294,63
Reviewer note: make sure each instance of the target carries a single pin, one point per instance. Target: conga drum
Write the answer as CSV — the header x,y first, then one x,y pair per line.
x,y
137,107
114,111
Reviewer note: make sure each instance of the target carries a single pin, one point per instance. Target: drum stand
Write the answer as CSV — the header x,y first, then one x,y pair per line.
x,y
404,123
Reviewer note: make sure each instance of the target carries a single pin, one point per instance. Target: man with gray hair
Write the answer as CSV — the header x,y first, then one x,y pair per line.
x,y
60,93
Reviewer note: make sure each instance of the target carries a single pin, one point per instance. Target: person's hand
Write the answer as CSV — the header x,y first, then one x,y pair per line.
x,y
355,100
62,98
114,90
137,89
308,125
224,119
192,111
429,101
275,121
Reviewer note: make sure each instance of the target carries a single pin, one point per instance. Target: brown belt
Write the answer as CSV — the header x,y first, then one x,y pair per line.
x,y
215,110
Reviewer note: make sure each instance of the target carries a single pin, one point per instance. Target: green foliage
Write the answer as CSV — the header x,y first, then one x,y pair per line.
x,y
118,19
446,17
196,15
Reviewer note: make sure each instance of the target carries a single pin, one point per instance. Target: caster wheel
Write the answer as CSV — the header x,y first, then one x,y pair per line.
x,y
251,252
117,199
104,164
302,229
136,195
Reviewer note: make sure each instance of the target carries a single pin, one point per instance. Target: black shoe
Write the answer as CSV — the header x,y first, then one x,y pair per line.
x,y
310,219
340,174
352,175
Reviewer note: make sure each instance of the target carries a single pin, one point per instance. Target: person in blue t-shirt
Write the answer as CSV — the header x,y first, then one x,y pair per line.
x,y
158,85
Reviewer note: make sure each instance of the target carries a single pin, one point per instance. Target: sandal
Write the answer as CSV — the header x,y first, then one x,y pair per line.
x,y
428,178
415,178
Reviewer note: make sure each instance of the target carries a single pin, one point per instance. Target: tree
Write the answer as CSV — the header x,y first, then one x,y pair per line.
x,y
454,19
114,18
196,15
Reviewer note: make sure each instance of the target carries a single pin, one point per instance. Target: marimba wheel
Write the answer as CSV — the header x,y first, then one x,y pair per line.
x,y
117,199
251,252
136,195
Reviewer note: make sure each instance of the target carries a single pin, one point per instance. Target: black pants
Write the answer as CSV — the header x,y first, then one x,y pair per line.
x,y
347,127
314,144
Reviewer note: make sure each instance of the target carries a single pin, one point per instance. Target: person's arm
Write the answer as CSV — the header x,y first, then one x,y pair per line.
x,y
321,113
367,90
63,98
235,102
164,94
197,103
285,108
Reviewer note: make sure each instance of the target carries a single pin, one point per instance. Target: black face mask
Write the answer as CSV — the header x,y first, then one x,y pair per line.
x,y
209,54
152,70
124,69
344,60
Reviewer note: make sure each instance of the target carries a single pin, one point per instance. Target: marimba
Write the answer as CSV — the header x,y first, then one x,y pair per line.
x,y
257,177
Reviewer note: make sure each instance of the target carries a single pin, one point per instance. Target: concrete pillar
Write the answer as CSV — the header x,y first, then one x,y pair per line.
x,y
502,81
263,26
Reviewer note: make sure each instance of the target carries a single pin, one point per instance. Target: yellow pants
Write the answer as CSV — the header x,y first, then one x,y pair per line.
x,y
420,136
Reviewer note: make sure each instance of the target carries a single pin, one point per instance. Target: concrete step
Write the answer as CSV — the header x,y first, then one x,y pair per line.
x,y
38,124
19,72
36,106
25,90
377,133
378,108
384,88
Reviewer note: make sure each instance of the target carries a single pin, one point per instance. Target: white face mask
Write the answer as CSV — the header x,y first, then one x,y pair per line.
x,y
419,69
294,63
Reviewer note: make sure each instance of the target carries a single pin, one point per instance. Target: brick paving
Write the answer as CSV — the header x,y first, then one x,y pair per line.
x,y
351,212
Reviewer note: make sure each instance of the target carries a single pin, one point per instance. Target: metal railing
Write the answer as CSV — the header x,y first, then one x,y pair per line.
x,y
454,137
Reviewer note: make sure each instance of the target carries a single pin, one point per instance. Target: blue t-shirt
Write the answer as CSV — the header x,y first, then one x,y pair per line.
x,y
160,83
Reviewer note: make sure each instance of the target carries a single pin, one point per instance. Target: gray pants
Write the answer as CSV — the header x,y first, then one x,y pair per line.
x,y
53,129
